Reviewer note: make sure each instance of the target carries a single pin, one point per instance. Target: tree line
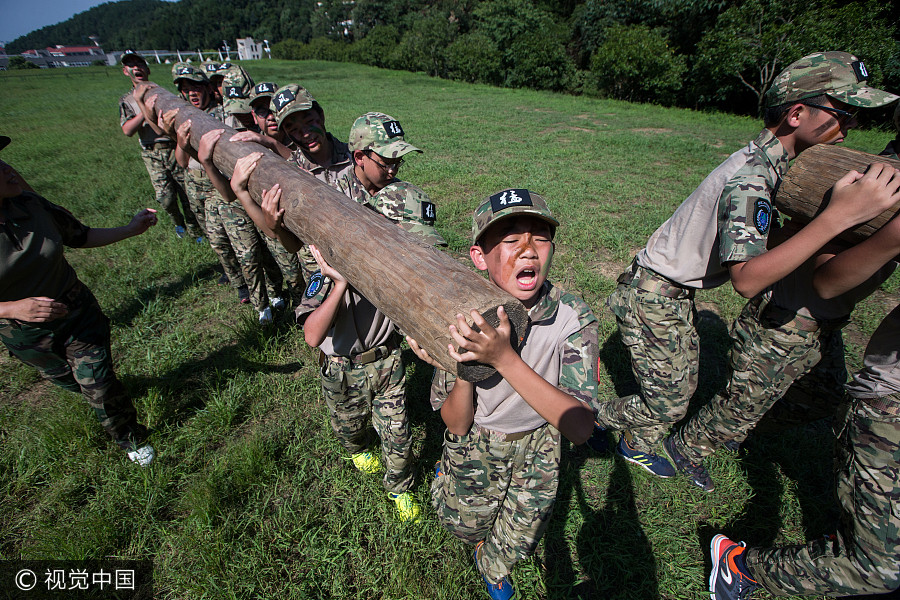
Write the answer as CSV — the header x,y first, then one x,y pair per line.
x,y
720,54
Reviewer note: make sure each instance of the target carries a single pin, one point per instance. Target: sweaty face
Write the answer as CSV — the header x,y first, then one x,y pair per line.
x,y
307,129
516,252
196,93
10,187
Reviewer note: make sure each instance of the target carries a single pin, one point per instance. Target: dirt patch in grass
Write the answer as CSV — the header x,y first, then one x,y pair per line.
x,y
651,130
606,265
37,394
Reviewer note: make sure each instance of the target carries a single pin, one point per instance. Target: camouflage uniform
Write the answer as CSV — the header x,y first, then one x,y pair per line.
x,y
500,486
726,219
166,176
786,341
363,377
341,162
863,557
72,351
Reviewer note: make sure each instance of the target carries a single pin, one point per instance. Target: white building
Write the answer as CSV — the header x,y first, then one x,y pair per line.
x,y
248,49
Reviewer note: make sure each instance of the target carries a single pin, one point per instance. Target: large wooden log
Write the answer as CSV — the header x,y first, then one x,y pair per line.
x,y
804,192
417,286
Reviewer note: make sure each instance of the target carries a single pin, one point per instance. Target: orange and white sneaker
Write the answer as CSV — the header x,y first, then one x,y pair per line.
x,y
727,581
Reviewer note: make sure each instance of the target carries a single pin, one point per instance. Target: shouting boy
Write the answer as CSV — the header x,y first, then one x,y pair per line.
x,y
496,481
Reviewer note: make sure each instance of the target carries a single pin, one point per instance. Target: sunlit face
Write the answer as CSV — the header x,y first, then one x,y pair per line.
x,y
826,127
196,93
307,129
265,120
516,252
375,171
137,71
10,186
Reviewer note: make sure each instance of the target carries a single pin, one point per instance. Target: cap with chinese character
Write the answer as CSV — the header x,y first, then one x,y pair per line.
x,y
130,56
183,70
380,133
236,90
839,75
210,67
262,92
411,208
506,204
289,99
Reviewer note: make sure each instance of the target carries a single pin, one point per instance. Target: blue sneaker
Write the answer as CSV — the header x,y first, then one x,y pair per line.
x,y
726,579
497,591
652,463
696,472
437,469
199,240
599,440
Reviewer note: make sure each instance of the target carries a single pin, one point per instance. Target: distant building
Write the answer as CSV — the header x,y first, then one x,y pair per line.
x,y
248,49
65,56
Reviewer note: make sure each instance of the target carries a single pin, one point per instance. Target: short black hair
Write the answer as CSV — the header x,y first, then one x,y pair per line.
x,y
773,115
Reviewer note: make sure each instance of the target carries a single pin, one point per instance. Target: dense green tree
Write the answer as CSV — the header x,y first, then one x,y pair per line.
x,y
20,62
424,46
636,63
473,57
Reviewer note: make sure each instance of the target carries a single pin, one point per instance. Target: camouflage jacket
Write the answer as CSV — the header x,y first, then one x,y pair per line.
x,y
341,162
746,212
565,324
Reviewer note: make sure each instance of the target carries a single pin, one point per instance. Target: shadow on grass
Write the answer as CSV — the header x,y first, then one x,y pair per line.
x,y
418,394
125,313
610,541
184,389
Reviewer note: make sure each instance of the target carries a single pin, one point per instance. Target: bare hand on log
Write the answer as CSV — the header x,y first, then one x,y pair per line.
x,y
326,269
243,168
208,145
141,89
857,198
166,120
183,137
489,345
422,353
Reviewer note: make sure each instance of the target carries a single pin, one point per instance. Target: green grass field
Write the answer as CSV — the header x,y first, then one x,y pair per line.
x,y
250,495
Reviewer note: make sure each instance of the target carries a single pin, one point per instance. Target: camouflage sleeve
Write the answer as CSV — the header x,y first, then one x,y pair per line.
x,y
441,384
745,216
73,232
315,294
126,111
580,351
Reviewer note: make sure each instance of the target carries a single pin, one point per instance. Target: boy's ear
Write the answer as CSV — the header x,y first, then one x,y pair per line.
x,y
792,118
477,256
357,157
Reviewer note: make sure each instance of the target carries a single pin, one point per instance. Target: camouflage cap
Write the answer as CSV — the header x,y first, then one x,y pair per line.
x,y
289,99
411,208
183,70
236,106
237,84
380,133
262,92
132,56
506,204
210,67
839,75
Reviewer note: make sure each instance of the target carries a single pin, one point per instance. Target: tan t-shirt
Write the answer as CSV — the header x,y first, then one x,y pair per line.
x,y
128,109
880,375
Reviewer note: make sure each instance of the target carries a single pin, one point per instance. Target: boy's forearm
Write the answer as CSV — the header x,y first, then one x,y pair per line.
x,y
854,266
567,414
222,185
131,126
319,322
458,410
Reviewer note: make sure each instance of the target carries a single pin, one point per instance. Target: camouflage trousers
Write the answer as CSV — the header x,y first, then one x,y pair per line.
x,y
863,557
74,353
498,490
167,178
283,269
376,391
774,358
233,236
198,188
664,347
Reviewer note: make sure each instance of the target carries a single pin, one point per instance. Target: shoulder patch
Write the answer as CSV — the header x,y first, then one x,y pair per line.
x,y
762,215
315,284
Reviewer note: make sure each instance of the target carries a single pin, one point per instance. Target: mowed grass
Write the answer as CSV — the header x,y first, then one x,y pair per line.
x,y
250,495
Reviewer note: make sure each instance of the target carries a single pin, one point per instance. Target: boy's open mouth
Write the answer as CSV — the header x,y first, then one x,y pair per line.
x,y
526,278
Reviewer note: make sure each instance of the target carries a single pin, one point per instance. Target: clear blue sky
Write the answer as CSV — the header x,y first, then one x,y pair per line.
x,y
18,17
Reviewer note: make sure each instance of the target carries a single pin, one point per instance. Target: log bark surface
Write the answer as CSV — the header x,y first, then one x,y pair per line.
x,y
420,288
804,190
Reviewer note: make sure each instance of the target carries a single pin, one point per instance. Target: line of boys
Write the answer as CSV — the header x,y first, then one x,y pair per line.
x,y
512,240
